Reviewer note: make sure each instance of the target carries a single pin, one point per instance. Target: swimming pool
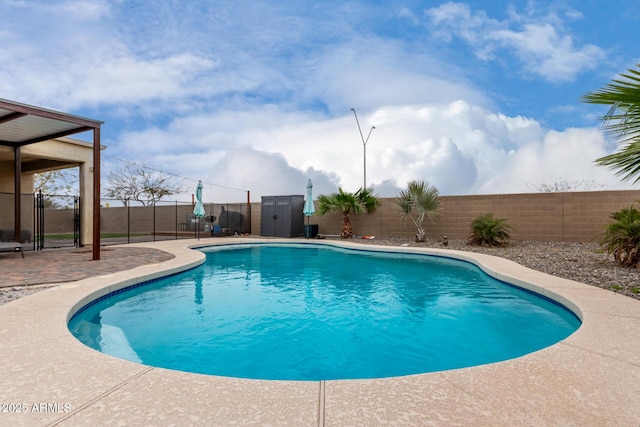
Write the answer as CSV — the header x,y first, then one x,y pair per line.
x,y
309,312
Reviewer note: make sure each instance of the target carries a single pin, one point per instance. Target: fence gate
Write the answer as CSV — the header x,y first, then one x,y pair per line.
x,y
57,221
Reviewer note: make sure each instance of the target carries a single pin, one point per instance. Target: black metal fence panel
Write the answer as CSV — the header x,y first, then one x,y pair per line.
x,y
169,220
54,221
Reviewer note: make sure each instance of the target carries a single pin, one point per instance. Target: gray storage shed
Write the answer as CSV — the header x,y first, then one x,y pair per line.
x,y
282,216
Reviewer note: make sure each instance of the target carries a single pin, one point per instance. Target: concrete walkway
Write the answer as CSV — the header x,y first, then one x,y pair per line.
x,y
592,378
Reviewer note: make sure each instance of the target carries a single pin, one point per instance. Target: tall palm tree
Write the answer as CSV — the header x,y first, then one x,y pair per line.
x,y
348,203
622,121
417,201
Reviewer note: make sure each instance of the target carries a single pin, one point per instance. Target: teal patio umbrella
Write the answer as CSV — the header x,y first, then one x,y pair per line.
x,y
198,210
309,209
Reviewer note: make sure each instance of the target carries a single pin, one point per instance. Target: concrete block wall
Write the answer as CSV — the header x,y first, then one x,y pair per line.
x,y
7,203
571,217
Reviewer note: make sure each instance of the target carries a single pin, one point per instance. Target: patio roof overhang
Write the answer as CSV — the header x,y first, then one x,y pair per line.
x,y
22,124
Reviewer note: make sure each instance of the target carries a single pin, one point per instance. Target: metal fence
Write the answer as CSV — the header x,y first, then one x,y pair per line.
x,y
169,220
54,221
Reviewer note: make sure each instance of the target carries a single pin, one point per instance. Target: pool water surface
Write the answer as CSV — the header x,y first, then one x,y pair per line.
x,y
310,312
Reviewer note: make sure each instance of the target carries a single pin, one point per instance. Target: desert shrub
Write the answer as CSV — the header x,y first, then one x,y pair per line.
x,y
622,237
486,230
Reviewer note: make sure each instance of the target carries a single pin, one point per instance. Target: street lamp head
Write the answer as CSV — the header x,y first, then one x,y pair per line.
x,y
353,109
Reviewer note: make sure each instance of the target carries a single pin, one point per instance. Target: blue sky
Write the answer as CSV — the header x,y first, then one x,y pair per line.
x,y
476,97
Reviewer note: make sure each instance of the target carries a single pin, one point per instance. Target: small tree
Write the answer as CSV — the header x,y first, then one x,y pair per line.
x,y
489,231
139,182
561,185
362,201
417,201
59,182
622,237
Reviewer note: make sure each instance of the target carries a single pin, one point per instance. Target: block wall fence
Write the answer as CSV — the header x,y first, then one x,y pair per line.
x,y
569,217
563,217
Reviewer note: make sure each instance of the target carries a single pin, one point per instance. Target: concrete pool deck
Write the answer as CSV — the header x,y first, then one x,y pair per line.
x,y
592,378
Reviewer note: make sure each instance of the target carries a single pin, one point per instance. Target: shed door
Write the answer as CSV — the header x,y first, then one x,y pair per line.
x,y
283,212
268,222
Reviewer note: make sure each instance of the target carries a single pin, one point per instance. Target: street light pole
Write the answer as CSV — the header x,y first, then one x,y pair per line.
x,y
364,146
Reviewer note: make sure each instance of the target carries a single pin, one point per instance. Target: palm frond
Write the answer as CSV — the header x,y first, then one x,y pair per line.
x,y
486,230
626,161
419,200
621,122
368,199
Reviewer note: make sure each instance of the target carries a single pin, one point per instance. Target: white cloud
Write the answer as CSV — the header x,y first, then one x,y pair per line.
x,y
384,73
53,57
259,99
124,80
565,155
84,10
458,147
263,174
540,43
546,53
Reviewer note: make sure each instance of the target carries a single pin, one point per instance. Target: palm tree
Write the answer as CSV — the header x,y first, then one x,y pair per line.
x,y
368,199
486,230
622,121
418,201
348,203
622,237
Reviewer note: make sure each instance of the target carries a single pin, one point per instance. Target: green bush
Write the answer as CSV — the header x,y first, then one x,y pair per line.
x,y
622,237
489,231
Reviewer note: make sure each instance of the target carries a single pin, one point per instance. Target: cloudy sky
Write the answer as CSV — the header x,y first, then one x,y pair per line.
x,y
476,97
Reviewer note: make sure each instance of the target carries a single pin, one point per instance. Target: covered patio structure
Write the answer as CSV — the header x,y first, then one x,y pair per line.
x,y
23,125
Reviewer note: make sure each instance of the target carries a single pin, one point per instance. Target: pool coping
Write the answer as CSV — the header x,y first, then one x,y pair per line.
x,y
590,378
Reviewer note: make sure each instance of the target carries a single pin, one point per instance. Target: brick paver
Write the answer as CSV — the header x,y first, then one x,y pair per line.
x,y
67,265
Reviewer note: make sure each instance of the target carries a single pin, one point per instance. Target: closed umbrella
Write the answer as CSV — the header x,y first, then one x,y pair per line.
x,y
198,210
309,209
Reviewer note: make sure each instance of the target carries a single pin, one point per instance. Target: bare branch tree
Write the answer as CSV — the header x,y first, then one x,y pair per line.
x,y
60,182
141,183
562,185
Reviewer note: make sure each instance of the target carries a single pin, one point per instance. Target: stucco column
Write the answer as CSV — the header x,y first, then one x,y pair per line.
x,y
86,203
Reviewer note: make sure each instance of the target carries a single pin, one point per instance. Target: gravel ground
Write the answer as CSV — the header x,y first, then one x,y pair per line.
x,y
10,294
582,262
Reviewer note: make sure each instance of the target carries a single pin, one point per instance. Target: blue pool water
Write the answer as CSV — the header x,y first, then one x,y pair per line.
x,y
310,312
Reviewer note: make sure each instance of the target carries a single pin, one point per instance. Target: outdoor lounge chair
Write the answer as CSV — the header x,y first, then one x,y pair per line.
x,y
11,247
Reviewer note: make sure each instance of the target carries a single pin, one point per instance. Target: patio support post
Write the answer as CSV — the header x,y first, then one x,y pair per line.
x,y
154,221
17,181
96,193
128,220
